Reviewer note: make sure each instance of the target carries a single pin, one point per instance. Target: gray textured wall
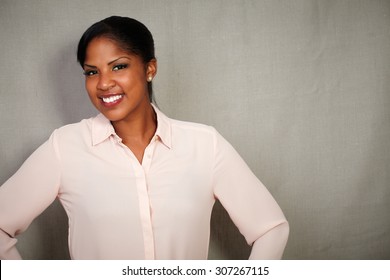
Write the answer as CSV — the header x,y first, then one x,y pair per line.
x,y
300,88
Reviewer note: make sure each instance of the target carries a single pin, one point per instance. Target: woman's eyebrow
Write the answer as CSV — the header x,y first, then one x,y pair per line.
x,y
90,66
111,62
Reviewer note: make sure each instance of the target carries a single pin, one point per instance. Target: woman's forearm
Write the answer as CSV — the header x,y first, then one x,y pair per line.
x,y
8,249
271,245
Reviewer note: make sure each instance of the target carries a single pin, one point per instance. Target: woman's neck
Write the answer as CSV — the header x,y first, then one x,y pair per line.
x,y
137,132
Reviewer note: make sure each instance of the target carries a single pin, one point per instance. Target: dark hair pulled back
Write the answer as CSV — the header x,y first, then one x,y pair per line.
x,y
130,35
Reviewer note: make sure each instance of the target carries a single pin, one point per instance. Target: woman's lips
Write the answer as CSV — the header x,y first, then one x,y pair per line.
x,y
111,100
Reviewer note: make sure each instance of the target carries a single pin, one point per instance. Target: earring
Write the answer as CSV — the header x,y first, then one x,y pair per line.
x,y
150,78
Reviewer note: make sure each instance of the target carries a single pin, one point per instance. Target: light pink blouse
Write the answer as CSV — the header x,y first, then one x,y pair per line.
x,y
120,209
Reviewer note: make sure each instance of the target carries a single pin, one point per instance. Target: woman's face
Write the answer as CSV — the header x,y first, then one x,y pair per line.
x,y
116,81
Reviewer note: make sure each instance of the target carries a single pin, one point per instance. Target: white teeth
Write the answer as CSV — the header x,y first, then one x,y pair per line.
x,y
112,98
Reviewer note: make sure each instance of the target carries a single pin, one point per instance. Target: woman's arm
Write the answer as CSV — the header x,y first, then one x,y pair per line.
x,y
8,250
27,194
250,205
271,245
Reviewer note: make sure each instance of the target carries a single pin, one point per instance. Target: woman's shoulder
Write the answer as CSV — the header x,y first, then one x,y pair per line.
x,y
77,127
192,127
75,133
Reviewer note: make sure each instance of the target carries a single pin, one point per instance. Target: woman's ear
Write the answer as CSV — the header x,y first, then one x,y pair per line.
x,y
151,69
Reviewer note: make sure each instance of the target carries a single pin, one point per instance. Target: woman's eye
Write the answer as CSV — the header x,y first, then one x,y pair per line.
x,y
90,72
119,67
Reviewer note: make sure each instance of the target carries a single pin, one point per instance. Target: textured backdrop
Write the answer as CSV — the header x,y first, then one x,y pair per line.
x,y
300,88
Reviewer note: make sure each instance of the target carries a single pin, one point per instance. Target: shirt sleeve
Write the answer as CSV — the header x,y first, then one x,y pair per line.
x,y
27,194
248,202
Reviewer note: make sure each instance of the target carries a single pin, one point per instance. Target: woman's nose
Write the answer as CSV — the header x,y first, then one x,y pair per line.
x,y
105,82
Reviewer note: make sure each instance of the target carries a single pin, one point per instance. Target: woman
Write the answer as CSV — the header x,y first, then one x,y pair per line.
x,y
134,183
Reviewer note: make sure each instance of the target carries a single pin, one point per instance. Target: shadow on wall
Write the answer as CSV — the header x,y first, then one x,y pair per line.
x,y
67,84
52,229
226,242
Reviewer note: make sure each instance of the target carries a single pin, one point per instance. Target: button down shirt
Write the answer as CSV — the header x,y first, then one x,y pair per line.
x,y
121,209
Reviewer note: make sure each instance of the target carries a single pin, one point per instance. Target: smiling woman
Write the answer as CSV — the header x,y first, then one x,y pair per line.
x,y
134,183
116,82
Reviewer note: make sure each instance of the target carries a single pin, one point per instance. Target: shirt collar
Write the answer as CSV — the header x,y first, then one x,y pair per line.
x,y
164,130
103,129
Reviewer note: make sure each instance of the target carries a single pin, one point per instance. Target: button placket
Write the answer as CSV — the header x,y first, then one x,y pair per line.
x,y
148,154
143,199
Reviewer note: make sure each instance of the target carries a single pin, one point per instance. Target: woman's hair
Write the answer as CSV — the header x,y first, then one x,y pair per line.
x,y
130,35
